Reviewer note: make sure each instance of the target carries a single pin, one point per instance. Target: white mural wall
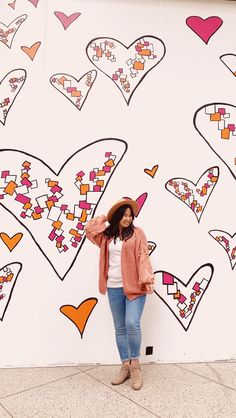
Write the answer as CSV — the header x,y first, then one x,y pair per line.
x,y
100,100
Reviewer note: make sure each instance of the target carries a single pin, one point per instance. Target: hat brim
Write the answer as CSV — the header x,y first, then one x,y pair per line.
x,y
122,202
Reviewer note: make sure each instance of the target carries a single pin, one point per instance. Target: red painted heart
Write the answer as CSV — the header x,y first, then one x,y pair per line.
x,y
204,28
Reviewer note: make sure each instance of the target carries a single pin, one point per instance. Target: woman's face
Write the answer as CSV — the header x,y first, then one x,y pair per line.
x,y
127,219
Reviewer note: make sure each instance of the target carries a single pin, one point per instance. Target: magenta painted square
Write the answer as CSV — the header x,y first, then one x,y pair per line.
x,y
168,278
182,299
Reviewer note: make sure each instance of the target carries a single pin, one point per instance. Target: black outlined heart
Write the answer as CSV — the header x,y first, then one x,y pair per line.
x,y
8,278
54,207
216,123
183,298
126,66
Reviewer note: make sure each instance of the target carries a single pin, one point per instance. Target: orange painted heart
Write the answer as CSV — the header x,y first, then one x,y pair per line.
x,y
79,316
151,172
31,52
12,242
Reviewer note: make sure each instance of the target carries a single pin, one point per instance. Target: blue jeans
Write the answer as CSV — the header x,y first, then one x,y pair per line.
x,y
126,317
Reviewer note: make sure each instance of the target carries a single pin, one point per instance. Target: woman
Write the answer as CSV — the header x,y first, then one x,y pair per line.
x,y
125,273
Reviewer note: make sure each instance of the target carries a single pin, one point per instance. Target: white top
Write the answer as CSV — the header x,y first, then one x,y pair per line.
x,y
114,269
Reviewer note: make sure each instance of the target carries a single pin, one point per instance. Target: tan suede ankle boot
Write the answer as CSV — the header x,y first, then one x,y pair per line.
x,y
136,377
122,376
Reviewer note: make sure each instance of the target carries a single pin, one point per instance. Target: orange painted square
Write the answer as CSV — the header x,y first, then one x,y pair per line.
x,y
26,164
36,216
52,183
145,52
215,117
75,93
1,279
57,224
99,53
100,173
176,295
27,205
204,190
70,216
10,188
109,163
62,79
58,244
10,277
49,204
74,232
100,183
25,176
84,188
83,216
225,133
138,65
214,179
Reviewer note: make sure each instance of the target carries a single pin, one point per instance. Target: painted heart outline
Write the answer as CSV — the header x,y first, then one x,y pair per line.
x,y
183,298
194,195
229,60
117,73
228,242
8,277
151,247
55,206
10,87
214,121
73,89
12,30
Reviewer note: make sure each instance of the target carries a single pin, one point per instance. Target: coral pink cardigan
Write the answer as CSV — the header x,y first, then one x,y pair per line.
x,y
136,268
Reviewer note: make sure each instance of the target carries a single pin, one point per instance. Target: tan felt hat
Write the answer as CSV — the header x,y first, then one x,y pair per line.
x,y
122,202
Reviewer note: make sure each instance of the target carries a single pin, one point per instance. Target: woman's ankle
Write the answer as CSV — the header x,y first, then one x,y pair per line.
x,y
134,362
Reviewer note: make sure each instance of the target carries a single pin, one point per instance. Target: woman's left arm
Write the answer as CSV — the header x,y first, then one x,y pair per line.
x,y
145,272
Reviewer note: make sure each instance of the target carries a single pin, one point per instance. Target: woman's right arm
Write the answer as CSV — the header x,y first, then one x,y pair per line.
x,y
95,228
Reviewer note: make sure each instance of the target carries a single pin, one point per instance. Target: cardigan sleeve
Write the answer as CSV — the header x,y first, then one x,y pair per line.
x,y
94,229
145,272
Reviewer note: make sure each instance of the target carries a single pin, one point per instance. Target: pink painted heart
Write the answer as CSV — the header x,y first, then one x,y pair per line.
x,y
216,123
34,2
204,28
8,32
54,207
228,242
8,277
76,91
183,299
66,21
195,196
10,87
126,66
140,200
